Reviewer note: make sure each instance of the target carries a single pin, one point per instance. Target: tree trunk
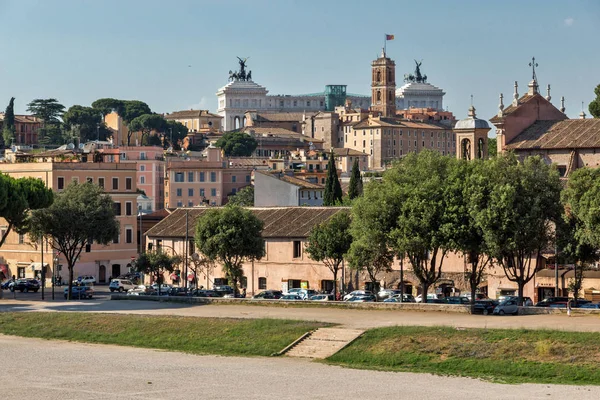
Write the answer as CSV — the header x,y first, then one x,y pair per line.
x,y
472,298
335,285
70,287
520,292
425,289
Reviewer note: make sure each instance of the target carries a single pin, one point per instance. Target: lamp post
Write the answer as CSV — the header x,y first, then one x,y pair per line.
x,y
54,275
43,276
140,232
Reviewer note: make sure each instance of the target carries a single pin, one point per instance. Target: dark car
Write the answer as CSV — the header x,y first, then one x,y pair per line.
x,y
205,293
179,291
25,285
484,307
223,289
6,284
79,292
456,300
268,295
593,306
548,301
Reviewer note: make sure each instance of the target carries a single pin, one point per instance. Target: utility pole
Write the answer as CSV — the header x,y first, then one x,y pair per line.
x,y
42,271
186,248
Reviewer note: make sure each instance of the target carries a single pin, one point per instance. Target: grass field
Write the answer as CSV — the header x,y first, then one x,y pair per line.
x,y
511,356
234,337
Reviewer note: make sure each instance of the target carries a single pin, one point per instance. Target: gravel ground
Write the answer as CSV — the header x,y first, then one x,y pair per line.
x,y
48,370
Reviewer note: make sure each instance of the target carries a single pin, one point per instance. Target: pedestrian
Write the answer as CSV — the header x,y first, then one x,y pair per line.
x,y
569,306
244,293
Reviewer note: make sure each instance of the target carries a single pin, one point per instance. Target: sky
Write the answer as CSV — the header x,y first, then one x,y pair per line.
x,y
176,54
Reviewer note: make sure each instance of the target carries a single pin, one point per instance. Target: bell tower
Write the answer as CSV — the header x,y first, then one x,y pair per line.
x,y
383,86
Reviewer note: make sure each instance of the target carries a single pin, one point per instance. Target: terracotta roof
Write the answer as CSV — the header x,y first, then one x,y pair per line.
x,y
23,118
511,108
301,182
248,161
565,134
283,116
279,222
398,123
344,152
261,132
190,114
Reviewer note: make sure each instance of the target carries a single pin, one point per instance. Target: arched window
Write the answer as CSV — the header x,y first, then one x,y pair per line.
x,y
466,149
262,283
378,96
391,96
142,180
389,75
378,76
480,148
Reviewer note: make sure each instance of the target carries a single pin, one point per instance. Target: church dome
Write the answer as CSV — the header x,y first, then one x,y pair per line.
x,y
472,122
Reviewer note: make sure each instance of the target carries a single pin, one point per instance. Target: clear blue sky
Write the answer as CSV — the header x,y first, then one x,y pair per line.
x,y
175,54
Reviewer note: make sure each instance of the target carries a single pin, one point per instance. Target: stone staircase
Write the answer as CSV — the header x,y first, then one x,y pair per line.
x,y
322,343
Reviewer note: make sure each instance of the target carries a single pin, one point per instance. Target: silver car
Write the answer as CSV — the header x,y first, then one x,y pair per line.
x,y
509,306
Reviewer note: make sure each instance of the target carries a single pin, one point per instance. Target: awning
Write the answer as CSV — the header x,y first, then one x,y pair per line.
x,y
191,277
4,269
36,266
174,276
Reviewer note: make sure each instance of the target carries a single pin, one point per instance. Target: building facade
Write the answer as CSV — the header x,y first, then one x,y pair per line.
x,y
26,129
283,189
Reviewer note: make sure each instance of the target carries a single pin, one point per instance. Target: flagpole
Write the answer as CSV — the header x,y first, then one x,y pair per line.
x,y
384,43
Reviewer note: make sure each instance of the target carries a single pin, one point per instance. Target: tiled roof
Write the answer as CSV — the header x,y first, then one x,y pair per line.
x,y
283,116
398,123
301,182
512,108
23,118
565,134
190,114
344,152
278,132
279,222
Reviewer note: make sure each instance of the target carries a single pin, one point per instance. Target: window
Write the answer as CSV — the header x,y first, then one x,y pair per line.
x,y
89,179
142,156
128,235
179,204
213,192
21,238
179,192
201,192
247,178
128,208
115,183
297,249
101,182
234,191
142,179
117,208
233,178
116,239
178,176
21,272
201,176
61,183
128,183
75,179
191,176
142,167
88,246
213,176
190,203
262,283
191,192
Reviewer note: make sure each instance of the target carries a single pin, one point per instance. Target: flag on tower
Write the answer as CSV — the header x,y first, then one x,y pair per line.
x,y
389,37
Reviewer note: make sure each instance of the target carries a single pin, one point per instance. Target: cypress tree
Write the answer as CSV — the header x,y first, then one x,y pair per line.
x,y
8,130
356,184
333,189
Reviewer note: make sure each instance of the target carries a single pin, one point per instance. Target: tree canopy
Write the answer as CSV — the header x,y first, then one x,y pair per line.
x,y
177,131
329,242
108,105
355,188
81,214
17,198
85,123
492,147
237,144
48,110
243,198
8,127
333,190
594,106
147,123
155,264
230,235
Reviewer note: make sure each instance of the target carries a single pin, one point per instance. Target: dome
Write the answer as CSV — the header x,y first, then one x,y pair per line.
x,y
472,122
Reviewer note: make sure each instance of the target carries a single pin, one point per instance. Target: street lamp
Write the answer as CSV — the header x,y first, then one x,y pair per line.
x,y
54,275
140,232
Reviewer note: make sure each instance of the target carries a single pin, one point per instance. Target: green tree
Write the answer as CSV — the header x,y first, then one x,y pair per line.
x,y
329,242
466,236
8,128
108,105
243,198
81,214
333,190
369,253
514,205
492,147
237,144
147,123
230,235
18,197
594,106
49,111
155,264
176,132
355,188
84,123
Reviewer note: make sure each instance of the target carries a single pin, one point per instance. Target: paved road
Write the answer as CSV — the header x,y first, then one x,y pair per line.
x,y
359,319
93,372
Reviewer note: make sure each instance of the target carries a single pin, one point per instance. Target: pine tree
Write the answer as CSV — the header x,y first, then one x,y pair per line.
x,y
333,189
8,131
356,184
594,106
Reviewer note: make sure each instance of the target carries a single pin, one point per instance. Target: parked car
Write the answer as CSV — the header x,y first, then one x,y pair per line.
x,y
509,306
164,288
588,306
86,279
430,296
321,297
134,277
291,297
268,295
179,292
25,285
356,293
552,300
80,292
484,307
456,300
223,289
121,285
6,284
478,296
304,293
137,290
363,298
387,293
205,293
406,298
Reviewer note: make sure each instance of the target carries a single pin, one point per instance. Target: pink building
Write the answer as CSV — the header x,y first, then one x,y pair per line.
x,y
150,164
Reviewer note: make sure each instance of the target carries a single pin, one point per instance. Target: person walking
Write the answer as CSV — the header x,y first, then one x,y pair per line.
x,y
569,306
